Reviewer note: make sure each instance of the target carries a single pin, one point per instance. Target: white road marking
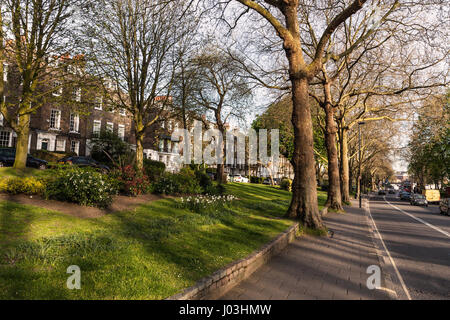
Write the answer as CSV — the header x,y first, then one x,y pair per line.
x,y
418,219
405,289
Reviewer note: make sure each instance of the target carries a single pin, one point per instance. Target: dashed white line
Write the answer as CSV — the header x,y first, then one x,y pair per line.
x,y
400,278
418,219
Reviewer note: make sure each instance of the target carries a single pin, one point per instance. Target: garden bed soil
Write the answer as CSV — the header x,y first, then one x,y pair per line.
x,y
120,203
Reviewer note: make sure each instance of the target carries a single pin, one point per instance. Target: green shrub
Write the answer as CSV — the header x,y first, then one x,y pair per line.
x,y
167,184
110,149
286,184
203,179
215,190
18,185
154,169
184,182
257,180
83,186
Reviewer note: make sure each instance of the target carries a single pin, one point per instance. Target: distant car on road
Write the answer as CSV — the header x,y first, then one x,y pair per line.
x,y
8,156
84,162
418,200
444,206
382,193
391,191
405,196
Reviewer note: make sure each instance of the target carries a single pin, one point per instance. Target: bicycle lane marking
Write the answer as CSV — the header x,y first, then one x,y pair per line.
x,y
394,265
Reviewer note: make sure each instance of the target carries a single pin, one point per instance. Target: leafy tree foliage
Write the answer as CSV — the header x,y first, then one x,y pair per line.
x,y
429,148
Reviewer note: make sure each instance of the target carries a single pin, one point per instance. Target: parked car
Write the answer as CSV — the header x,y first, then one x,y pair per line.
x,y
84,162
418,200
382,193
238,178
405,196
8,156
391,191
433,196
268,182
444,206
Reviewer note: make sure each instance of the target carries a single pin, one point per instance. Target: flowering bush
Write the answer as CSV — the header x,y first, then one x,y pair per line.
x,y
83,186
131,181
27,185
207,203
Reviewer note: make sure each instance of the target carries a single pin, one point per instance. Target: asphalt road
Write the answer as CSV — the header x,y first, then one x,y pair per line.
x,y
418,242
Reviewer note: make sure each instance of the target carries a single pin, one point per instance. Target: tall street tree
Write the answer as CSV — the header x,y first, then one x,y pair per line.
x,y
31,33
133,46
284,17
221,91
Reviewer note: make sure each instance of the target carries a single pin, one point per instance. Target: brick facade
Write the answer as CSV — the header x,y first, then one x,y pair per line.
x,y
54,133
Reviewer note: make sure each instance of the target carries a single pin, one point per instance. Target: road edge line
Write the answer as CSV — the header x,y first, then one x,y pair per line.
x,y
384,257
445,233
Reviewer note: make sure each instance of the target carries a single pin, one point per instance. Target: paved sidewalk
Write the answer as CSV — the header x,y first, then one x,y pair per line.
x,y
319,268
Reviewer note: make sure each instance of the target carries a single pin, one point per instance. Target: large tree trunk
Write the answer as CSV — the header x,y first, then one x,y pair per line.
x,y
344,167
139,134
139,152
334,188
304,204
220,173
22,132
220,166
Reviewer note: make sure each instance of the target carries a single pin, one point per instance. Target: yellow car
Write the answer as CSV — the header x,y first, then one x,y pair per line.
x,y
433,196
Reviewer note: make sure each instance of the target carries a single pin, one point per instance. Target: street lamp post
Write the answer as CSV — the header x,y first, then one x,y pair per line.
x,y
360,158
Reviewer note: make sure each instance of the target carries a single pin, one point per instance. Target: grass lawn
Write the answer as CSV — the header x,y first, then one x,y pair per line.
x,y
151,252
8,172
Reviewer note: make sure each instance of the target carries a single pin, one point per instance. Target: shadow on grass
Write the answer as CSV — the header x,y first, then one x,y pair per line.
x,y
17,279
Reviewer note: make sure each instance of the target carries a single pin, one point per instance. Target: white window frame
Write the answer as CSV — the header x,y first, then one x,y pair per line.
x,y
57,93
95,132
110,127
57,120
121,132
98,103
74,123
63,147
122,112
5,72
7,138
75,146
77,94
1,114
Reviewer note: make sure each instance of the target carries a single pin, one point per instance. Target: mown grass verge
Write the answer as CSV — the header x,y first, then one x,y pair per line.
x,y
151,252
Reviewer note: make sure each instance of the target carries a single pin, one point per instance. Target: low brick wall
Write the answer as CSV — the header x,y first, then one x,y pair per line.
x,y
220,282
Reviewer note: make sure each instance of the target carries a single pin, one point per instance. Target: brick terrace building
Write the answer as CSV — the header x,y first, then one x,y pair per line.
x,y
70,116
